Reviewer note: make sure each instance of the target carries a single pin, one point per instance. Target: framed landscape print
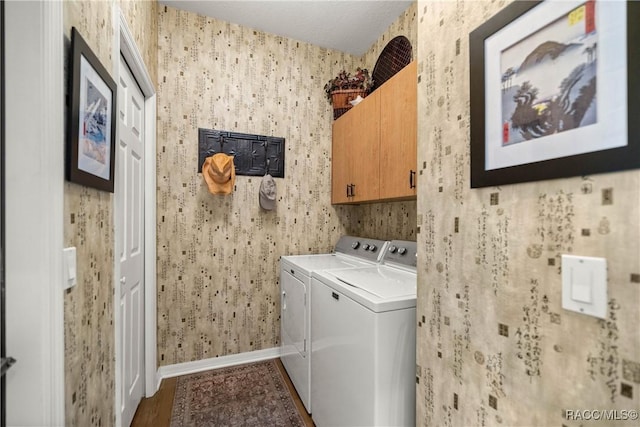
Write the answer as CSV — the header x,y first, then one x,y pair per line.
x,y
554,91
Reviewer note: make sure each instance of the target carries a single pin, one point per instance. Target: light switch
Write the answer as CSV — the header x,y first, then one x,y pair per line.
x,y
581,283
584,285
581,292
70,270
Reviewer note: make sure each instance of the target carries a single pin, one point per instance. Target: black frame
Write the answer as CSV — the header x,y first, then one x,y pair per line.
x,y
79,49
607,160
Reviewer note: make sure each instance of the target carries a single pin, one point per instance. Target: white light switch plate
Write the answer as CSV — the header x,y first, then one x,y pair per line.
x,y
69,268
584,285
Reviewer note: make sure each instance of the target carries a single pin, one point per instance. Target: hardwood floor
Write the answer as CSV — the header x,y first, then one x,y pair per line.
x,y
308,422
156,411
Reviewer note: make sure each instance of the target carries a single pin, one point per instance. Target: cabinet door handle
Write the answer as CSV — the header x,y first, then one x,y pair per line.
x,y
353,190
350,192
412,183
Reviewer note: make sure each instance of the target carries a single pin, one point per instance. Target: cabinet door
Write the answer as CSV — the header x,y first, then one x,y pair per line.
x,y
343,129
365,152
398,135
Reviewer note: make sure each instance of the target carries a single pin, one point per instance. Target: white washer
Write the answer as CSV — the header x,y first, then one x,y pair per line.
x,y
363,330
295,303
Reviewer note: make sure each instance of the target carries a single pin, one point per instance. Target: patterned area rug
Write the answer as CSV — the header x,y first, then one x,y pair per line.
x,y
254,394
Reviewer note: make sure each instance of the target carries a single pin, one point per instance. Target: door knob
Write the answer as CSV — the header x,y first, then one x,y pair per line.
x,y
6,364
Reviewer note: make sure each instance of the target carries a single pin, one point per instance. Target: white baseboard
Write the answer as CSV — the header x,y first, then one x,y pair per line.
x,y
158,380
186,368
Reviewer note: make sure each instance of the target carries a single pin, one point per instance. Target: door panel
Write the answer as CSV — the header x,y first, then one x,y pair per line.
x,y
136,349
136,204
356,152
365,145
340,169
130,225
294,319
398,135
3,385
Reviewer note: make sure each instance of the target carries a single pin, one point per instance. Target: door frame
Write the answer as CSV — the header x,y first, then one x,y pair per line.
x,y
35,221
3,347
124,44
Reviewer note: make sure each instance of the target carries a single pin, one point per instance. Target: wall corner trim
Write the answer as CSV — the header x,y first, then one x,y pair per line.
x,y
34,213
196,366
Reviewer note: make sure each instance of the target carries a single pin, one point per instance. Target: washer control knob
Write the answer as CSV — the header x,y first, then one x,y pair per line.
x,y
373,248
365,247
402,251
392,249
355,244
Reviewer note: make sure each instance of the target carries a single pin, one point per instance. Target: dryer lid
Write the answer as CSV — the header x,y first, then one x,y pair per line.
x,y
309,263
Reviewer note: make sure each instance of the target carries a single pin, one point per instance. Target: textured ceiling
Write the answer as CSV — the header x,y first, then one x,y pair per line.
x,y
348,26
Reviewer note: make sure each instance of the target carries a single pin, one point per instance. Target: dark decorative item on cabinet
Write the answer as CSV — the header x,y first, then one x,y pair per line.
x,y
344,88
554,91
92,119
254,155
396,55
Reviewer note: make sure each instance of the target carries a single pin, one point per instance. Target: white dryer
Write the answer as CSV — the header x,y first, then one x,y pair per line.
x,y
295,302
363,329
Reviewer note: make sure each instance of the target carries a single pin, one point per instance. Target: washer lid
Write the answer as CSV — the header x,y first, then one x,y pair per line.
x,y
380,281
378,288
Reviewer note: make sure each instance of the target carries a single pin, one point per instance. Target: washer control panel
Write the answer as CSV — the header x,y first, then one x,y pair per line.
x,y
369,249
403,252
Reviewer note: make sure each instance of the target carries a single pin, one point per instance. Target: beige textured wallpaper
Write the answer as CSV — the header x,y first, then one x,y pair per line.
x,y
218,277
406,25
396,220
495,346
88,307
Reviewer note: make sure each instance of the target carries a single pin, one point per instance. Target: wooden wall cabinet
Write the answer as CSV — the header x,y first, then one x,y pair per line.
x,y
355,159
374,151
399,135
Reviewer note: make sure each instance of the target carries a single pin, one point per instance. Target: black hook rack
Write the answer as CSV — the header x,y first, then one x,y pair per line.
x,y
254,155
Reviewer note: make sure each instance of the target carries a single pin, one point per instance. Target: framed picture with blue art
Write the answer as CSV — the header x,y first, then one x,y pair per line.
x,y
554,91
92,119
